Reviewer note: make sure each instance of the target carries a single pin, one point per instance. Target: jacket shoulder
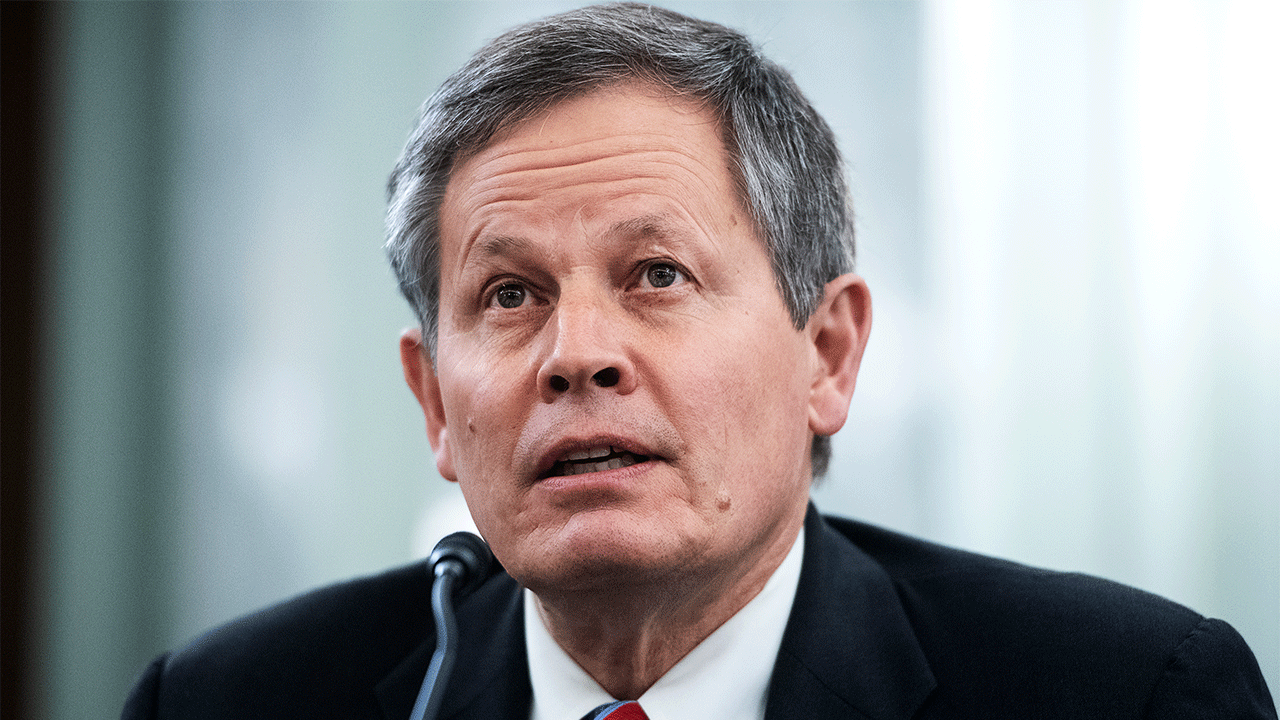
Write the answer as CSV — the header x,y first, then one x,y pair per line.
x,y
939,580
1014,639
305,657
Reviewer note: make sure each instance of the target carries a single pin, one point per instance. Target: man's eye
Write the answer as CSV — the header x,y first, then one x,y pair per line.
x,y
662,275
510,296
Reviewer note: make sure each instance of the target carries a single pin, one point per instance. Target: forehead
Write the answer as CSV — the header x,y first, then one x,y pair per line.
x,y
626,107
611,145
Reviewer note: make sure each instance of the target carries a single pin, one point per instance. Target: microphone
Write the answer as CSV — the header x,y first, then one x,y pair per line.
x,y
459,562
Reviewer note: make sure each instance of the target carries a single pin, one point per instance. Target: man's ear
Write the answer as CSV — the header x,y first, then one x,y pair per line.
x,y
838,330
420,373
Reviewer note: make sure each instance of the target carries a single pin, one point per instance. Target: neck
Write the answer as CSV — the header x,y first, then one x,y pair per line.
x,y
626,640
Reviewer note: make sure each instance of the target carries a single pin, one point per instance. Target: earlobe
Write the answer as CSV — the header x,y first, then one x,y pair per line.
x,y
419,373
838,330
444,459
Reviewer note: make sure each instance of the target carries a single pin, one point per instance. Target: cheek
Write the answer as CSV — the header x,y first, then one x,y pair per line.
x,y
748,403
477,406
487,405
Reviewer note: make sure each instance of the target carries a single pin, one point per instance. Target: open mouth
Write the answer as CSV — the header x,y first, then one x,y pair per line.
x,y
593,460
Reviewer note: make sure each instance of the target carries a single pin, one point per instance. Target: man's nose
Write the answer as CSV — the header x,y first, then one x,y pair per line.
x,y
587,351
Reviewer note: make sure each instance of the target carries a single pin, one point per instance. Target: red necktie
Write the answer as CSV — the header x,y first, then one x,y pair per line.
x,y
621,710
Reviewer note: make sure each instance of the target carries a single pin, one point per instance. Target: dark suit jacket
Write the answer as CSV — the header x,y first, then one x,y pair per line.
x,y
884,626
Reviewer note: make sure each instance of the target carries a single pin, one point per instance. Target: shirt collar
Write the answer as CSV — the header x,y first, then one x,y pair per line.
x,y
726,675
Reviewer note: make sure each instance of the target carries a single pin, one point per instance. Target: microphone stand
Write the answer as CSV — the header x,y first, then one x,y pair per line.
x,y
460,558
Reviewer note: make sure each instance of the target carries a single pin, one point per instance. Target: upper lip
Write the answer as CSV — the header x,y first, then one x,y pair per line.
x,y
565,446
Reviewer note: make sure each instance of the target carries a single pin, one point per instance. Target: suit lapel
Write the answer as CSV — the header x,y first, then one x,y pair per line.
x,y
490,676
849,649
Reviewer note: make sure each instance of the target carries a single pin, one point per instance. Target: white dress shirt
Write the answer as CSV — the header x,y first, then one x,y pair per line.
x,y
725,676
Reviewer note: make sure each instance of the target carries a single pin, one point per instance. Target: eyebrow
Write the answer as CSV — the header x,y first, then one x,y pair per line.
x,y
498,245
645,226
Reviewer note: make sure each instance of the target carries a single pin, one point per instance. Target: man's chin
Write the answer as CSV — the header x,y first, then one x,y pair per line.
x,y
597,555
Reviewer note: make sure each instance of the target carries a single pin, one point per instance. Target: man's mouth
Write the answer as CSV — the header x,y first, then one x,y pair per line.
x,y
594,460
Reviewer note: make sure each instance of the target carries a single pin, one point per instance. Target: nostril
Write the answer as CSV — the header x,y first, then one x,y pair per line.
x,y
607,377
559,383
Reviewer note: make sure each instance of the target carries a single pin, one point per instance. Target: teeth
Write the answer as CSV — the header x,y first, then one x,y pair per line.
x,y
578,468
588,454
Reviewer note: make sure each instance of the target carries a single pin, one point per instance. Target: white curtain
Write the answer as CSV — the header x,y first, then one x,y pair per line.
x,y
1103,197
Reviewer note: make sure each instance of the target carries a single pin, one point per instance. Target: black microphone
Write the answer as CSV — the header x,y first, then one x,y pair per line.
x,y
459,561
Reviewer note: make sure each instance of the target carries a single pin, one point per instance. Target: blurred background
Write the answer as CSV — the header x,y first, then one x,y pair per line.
x,y
1069,218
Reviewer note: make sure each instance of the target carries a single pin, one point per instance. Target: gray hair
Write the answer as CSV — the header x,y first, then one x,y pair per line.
x,y
783,154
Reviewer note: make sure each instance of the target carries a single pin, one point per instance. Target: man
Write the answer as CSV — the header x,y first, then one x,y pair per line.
x,y
627,239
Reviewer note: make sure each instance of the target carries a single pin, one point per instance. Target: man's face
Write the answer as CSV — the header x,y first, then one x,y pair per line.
x,y
619,388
